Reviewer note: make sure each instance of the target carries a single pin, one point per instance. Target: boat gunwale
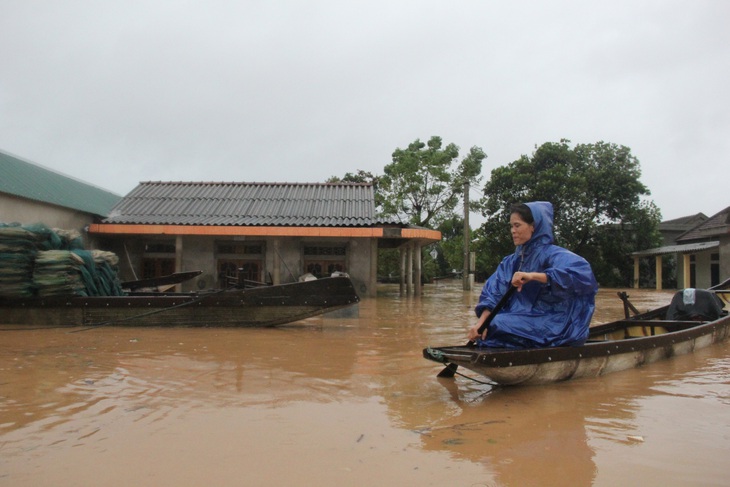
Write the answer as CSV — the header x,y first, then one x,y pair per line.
x,y
222,297
504,358
250,307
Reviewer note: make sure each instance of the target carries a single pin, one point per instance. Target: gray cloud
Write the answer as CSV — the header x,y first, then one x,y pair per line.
x,y
120,92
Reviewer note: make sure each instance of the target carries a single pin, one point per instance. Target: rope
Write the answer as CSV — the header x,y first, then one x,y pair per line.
x,y
438,356
129,261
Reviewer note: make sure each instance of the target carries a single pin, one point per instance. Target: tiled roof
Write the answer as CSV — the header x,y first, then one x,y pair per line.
x,y
247,204
716,225
684,223
31,181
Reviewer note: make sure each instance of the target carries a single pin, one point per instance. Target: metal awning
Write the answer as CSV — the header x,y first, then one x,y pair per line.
x,y
677,249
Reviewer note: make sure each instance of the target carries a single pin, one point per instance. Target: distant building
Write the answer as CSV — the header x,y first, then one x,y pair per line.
x,y
263,232
30,194
713,265
671,230
702,251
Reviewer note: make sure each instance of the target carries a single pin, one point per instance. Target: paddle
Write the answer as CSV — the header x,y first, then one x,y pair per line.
x,y
450,369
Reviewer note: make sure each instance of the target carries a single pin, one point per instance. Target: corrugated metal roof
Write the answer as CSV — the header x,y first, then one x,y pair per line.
x,y
247,204
27,180
677,249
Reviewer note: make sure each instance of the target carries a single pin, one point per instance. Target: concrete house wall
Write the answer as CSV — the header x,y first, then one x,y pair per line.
x,y
30,193
27,212
199,253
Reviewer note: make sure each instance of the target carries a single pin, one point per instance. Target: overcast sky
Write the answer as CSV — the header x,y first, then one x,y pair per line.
x,y
118,92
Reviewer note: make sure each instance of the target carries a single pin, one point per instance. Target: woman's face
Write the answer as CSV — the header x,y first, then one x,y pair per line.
x,y
520,229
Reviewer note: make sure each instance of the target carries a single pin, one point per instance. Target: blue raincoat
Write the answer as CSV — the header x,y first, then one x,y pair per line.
x,y
542,315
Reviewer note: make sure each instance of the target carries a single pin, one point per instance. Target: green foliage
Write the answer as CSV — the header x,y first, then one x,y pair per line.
x,y
425,182
451,247
422,186
359,177
597,198
452,244
389,265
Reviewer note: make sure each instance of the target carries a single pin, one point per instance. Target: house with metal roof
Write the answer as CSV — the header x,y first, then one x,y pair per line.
x,y
671,230
263,232
702,252
30,193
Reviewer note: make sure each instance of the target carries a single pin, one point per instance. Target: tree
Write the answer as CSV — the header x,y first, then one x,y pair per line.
x,y
424,183
451,247
359,177
422,186
597,199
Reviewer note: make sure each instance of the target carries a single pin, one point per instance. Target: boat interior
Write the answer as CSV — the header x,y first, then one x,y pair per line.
x,y
620,330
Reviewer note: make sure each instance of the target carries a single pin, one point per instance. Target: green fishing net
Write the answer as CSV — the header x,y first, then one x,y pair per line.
x,y
36,260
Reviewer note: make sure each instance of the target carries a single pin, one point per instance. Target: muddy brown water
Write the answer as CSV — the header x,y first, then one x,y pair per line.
x,y
346,401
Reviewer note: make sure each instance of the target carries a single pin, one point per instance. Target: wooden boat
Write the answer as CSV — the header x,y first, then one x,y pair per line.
x,y
157,283
233,307
632,342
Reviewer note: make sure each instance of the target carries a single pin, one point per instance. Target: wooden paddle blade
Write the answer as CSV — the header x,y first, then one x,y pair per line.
x,y
448,372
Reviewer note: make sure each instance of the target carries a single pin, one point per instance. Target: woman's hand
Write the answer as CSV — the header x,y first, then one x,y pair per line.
x,y
519,279
473,332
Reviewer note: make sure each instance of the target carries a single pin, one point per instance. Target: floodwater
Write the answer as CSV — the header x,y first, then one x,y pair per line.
x,y
346,401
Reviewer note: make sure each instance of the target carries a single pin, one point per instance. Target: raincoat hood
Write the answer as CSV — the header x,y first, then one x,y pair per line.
x,y
542,213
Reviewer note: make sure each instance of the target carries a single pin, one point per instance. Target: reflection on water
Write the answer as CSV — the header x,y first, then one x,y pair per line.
x,y
345,401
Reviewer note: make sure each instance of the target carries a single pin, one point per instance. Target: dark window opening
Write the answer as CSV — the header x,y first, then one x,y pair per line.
x,y
714,269
157,267
159,248
158,259
323,260
235,272
240,248
240,263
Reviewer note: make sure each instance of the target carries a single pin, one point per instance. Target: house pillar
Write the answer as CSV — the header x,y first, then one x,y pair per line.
x,y
636,272
373,282
686,269
658,261
277,262
402,277
178,259
417,275
409,270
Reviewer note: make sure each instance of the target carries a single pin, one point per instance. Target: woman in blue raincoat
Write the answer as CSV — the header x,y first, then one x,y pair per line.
x,y
556,288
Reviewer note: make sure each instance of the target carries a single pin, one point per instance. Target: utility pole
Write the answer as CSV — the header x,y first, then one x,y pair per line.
x,y
467,238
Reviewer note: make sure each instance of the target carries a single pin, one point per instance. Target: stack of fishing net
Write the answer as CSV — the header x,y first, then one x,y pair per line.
x,y
17,252
59,273
107,279
99,273
76,272
37,260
